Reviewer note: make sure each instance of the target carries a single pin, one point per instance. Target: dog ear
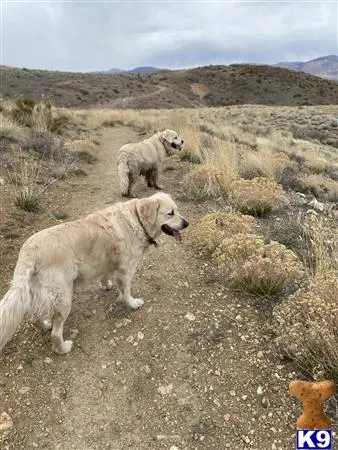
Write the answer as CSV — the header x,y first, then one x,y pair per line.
x,y
167,135
148,210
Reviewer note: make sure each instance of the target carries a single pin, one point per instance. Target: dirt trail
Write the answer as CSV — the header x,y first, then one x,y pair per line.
x,y
129,102
181,373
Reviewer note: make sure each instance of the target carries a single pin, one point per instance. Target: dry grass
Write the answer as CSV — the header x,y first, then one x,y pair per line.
x,y
322,187
26,191
9,132
276,156
306,325
252,266
319,249
207,182
257,196
209,232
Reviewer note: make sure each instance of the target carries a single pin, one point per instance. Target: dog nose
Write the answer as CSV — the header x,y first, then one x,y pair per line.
x,y
185,223
182,141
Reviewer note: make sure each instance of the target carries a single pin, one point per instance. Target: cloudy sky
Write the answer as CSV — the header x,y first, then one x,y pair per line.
x,y
98,35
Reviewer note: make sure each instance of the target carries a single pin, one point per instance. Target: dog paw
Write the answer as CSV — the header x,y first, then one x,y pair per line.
x,y
159,187
135,303
108,285
66,348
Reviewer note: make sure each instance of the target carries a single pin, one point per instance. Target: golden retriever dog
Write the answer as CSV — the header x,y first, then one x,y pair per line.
x,y
107,245
145,158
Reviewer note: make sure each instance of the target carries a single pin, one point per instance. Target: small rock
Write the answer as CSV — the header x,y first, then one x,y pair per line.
x,y
24,390
259,390
48,360
59,393
173,447
2,181
246,439
227,417
74,332
265,402
190,316
316,205
233,393
147,369
5,421
140,335
164,390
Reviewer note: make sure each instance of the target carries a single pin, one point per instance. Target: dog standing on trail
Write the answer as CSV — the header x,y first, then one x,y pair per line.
x,y
107,245
145,158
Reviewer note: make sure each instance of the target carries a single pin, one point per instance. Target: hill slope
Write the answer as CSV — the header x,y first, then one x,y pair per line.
x,y
324,66
203,86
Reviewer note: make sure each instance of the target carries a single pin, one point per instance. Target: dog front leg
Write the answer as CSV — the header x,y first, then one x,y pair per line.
x,y
123,281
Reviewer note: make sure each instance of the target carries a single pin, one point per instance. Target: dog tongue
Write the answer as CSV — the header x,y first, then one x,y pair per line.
x,y
177,236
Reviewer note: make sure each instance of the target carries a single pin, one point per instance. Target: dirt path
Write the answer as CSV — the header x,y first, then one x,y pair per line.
x,y
181,373
129,102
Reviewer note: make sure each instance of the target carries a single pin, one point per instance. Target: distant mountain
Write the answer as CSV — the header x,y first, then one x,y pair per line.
x,y
324,66
113,70
140,70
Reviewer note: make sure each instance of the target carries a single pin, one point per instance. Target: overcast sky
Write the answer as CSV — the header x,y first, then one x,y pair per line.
x,y
78,36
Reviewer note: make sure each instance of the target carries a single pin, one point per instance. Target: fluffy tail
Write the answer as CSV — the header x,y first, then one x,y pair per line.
x,y
123,174
13,307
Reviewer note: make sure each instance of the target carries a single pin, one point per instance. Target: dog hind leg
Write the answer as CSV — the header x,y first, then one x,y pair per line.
x,y
149,178
131,183
61,313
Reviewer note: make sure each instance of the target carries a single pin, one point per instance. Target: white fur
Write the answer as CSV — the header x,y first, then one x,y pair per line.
x,y
107,244
145,158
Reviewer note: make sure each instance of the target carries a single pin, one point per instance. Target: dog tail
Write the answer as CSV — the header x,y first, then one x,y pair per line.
x,y
15,304
123,173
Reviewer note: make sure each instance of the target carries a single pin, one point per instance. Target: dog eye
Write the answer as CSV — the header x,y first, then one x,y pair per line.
x,y
171,213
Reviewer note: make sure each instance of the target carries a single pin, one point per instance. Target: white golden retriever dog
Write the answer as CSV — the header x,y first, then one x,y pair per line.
x,y
145,158
107,244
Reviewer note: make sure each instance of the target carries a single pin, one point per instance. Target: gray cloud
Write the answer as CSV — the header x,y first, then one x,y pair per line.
x,y
94,35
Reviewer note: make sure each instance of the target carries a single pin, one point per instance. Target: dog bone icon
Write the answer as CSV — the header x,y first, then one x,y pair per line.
x,y
313,396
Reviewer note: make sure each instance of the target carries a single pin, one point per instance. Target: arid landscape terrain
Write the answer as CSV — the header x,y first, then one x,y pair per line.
x,y
244,304
211,86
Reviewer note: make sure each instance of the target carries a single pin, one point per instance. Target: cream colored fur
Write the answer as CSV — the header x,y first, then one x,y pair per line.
x,y
107,244
145,158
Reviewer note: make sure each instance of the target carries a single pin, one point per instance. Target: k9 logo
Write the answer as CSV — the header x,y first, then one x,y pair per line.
x,y
314,439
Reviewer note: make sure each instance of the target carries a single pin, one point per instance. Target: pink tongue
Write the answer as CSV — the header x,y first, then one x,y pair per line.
x,y
177,236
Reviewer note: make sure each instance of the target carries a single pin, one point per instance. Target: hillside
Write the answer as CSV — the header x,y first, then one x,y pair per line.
x,y
203,86
324,66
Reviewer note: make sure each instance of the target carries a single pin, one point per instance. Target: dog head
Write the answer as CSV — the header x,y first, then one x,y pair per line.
x,y
159,213
171,140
